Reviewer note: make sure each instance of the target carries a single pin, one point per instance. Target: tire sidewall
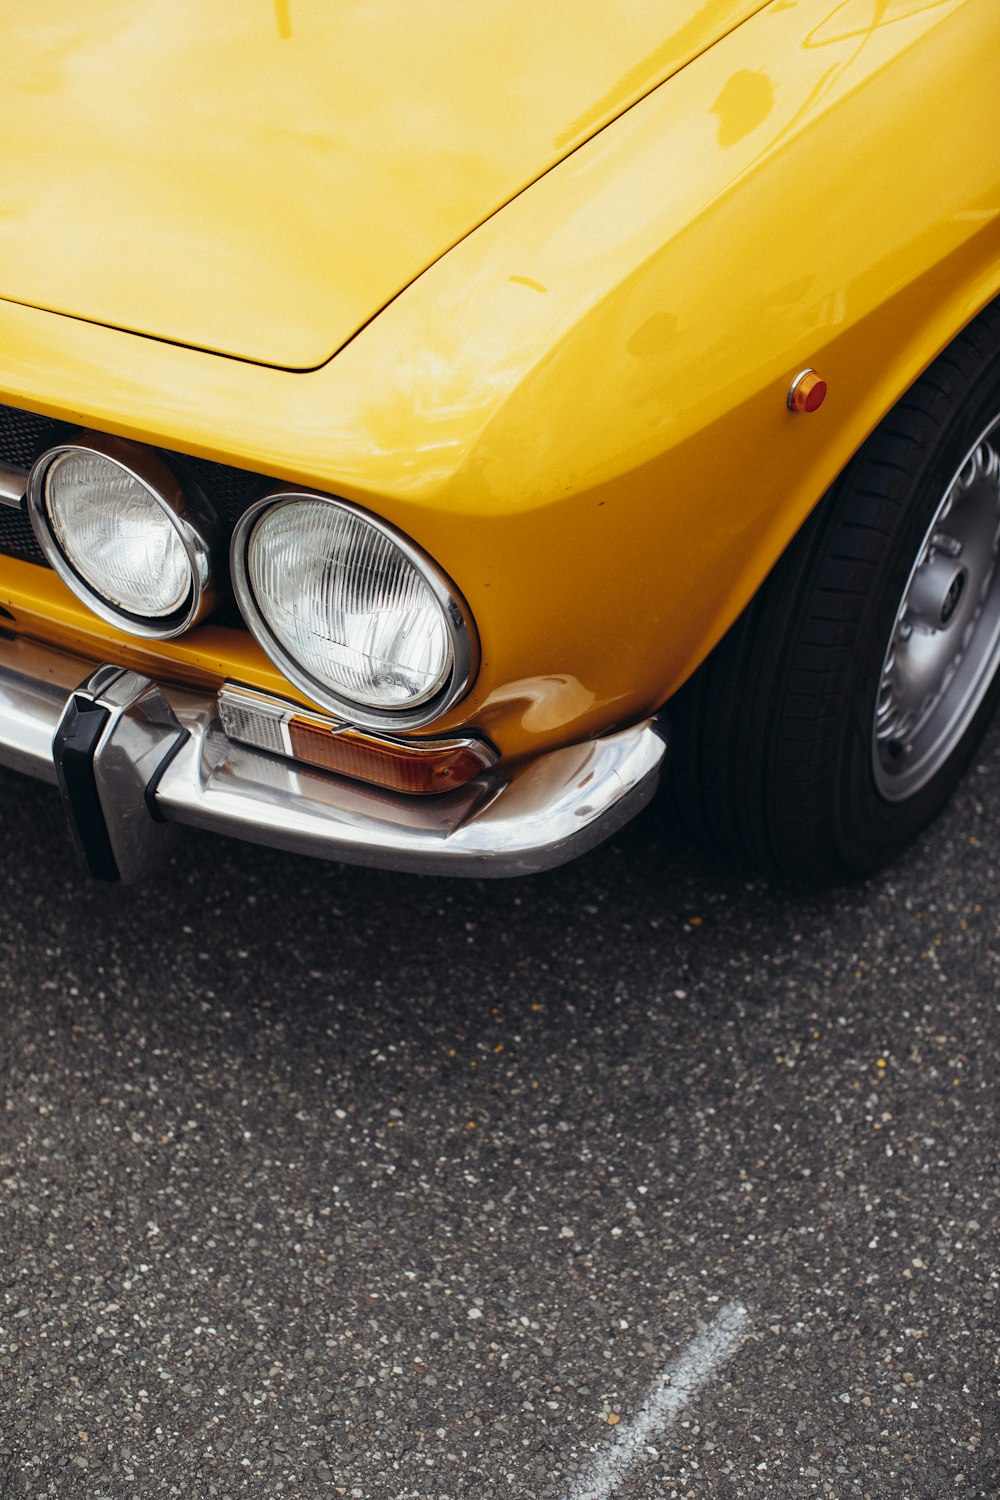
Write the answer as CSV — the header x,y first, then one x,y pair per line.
x,y
869,828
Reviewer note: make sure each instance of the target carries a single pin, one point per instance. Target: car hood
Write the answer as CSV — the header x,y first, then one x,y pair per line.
x,y
260,178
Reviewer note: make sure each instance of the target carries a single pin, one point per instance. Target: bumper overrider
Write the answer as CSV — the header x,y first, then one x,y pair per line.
x,y
134,758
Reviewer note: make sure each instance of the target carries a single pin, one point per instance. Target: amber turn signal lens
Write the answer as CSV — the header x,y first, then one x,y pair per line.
x,y
419,766
400,768
807,392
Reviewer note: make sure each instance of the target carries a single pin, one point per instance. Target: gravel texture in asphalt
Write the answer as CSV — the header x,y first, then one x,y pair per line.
x,y
637,1179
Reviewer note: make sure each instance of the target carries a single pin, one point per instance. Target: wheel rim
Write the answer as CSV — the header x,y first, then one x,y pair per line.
x,y
945,643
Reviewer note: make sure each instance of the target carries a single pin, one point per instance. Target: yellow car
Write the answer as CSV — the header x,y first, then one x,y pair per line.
x,y
426,428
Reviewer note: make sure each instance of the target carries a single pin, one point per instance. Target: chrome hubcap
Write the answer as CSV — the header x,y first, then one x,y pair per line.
x,y
945,643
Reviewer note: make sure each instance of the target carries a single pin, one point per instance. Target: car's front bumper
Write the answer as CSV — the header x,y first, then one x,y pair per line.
x,y
509,822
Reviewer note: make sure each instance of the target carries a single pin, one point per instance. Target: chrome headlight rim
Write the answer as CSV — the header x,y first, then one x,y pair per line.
x,y
463,639
194,525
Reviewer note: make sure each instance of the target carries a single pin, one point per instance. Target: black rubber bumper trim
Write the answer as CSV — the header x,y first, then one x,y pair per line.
x,y
73,748
158,774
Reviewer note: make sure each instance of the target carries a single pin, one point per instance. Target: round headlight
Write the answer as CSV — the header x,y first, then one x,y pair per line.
x,y
353,613
115,524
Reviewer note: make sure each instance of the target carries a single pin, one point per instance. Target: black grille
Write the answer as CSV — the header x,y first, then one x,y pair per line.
x,y
24,435
17,538
228,491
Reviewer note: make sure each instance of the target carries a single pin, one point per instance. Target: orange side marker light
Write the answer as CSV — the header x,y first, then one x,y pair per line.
x,y
806,392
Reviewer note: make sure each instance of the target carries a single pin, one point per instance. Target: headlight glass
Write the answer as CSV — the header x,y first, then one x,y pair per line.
x,y
114,533
115,522
352,613
344,601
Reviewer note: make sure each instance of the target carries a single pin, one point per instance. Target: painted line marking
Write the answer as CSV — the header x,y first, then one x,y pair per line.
x,y
676,1386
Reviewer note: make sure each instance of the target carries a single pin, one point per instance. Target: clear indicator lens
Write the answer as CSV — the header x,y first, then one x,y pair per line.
x,y
116,536
348,606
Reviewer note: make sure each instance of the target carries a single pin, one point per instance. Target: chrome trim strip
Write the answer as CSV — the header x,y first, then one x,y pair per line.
x,y
13,485
35,683
533,817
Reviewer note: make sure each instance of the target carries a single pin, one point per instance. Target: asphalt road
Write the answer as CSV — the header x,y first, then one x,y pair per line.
x,y
634,1180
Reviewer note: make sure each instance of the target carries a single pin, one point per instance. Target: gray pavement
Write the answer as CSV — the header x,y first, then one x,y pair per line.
x,y
637,1179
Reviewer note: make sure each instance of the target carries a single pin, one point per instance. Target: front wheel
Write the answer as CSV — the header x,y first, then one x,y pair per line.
x,y
836,717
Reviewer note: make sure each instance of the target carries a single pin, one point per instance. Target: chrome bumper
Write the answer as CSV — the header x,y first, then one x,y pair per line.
x,y
533,817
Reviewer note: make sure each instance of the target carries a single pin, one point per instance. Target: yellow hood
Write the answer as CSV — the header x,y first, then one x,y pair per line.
x,y
259,178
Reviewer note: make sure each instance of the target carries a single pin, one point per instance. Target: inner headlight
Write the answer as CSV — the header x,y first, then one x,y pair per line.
x,y
113,521
353,613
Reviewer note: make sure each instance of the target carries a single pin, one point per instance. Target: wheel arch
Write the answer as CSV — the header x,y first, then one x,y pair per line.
x,y
776,736
916,326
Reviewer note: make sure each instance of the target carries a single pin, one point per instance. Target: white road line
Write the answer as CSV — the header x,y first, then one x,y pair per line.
x,y
678,1384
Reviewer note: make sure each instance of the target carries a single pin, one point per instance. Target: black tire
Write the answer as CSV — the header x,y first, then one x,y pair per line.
x,y
775,755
